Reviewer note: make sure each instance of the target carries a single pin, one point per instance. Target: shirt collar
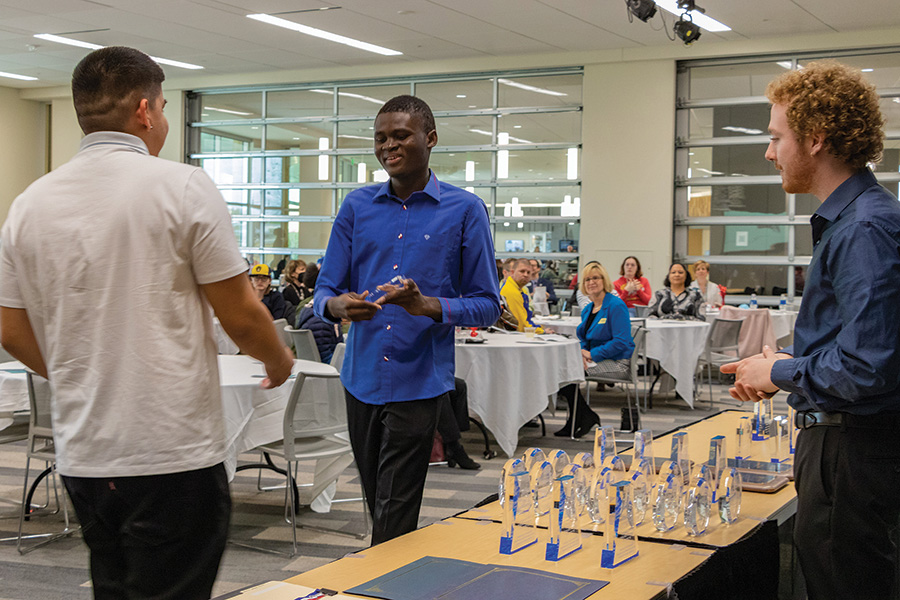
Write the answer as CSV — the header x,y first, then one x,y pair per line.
x,y
846,193
114,138
432,190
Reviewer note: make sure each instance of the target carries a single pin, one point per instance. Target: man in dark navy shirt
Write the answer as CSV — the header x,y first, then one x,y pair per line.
x,y
400,350
843,371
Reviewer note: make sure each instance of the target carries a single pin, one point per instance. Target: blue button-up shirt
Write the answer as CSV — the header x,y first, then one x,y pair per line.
x,y
847,337
440,237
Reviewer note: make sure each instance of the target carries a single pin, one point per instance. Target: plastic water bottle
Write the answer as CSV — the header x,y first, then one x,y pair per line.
x,y
753,301
782,304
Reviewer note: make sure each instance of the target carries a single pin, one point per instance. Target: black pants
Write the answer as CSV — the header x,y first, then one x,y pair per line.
x,y
154,536
848,505
454,415
392,444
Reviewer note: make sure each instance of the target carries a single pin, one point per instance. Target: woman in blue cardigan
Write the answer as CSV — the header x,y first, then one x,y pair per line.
x,y
606,343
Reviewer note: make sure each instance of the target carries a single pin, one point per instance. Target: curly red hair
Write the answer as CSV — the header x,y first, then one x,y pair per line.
x,y
834,99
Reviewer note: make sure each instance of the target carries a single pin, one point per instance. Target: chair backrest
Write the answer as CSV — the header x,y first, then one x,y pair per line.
x,y
315,408
641,311
304,343
280,324
638,335
724,335
40,426
337,359
637,324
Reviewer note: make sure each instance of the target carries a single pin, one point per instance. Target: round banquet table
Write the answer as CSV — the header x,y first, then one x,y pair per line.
x,y
563,325
511,377
677,345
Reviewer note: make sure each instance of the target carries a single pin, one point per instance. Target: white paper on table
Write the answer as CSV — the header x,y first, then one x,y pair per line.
x,y
281,590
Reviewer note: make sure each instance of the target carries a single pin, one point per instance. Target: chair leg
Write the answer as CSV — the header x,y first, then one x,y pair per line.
x,y
587,393
61,504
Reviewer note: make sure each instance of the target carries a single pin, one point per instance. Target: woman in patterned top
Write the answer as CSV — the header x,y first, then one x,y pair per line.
x,y
677,300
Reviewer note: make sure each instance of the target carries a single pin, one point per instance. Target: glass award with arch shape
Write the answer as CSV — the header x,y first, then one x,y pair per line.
x,y
585,460
718,460
518,525
730,496
604,443
667,496
560,460
533,455
542,477
620,537
743,432
565,534
697,503
640,492
782,432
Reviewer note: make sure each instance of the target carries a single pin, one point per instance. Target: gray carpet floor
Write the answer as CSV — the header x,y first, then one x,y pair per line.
x,y
60,569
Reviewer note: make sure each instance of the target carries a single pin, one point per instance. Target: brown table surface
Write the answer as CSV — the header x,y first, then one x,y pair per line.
x,y
645,576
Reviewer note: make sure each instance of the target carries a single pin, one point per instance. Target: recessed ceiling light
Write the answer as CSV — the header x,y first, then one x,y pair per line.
x,y
16,76
517,127
78,43
296,138
460,95
325,35
530,88
351,95
867,70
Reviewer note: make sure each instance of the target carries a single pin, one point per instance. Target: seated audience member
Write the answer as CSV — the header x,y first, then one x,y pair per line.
x,y
708,289
262,285
452,419
508,266
632,286
606,344
327,335
308,283
677,300
514,295
537,280
294,291
549,273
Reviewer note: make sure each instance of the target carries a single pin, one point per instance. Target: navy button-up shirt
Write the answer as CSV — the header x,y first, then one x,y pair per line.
x,y
440,237
847,337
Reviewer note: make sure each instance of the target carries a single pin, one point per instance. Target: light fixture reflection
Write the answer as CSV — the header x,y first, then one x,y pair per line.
x,y
323,159
325,35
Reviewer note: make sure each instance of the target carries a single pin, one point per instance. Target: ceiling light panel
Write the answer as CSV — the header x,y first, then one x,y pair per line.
x,y
80,44
321,33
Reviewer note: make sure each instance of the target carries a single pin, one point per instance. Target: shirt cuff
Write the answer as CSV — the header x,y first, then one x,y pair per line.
x,y
785,374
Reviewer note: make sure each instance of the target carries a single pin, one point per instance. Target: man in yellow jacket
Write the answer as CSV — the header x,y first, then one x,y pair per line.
x,y
514,295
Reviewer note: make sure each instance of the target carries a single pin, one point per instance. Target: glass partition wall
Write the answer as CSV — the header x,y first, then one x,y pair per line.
x,y
730,209
285,157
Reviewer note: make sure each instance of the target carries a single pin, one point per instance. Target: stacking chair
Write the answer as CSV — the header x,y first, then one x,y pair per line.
x,y
631,376
721,348
280,328
314,427
41,447
337,359
304,343
641,311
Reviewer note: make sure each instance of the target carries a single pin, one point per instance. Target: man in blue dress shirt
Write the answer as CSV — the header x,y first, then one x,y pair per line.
x,y
400,350
843,371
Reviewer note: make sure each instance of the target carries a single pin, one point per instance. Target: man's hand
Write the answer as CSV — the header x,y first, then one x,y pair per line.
x,y
410,299
352,306
276,374
752,376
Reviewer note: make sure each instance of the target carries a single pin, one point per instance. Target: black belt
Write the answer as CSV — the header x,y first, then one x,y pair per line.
x,y
805,419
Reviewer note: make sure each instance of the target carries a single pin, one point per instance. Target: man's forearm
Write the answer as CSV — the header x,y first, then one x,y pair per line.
x,y
17,338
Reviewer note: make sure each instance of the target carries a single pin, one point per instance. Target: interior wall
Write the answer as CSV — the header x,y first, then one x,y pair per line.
x,y
23,152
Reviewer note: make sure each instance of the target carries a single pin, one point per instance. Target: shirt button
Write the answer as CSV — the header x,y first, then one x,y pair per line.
x,y
400,236
386,359
395,267
404,207
388,327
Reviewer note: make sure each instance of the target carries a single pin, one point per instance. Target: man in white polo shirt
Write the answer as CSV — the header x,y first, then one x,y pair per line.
x,y
133,251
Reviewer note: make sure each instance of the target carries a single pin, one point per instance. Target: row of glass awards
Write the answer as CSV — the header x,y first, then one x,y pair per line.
x,y
599,484
778,433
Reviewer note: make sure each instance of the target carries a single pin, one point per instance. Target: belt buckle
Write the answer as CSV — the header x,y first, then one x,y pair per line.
x,y
805,419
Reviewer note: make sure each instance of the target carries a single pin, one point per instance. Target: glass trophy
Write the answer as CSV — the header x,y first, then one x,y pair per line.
x,y
518,527
597,504
667,497
585,460
782,433
542,488
620,537
616,466
531,456
604,443
643,451
681,455
696,506
742,447
763,413
640,491
560,460
718,460
792,424
565,534
730,496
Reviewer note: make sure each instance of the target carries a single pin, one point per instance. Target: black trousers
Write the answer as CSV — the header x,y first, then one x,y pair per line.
x,y
392,444
154,536
454,415
848,505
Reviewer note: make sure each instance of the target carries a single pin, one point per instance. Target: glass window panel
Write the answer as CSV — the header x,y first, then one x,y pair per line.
x,y
297,136
235,138
536,164
350,171
226,171
885,68
729,161
243,202
728,121
356,134
223,107
806,204
457,95
761,278
890,110
464,131
298,104
459,167
541,128
737,200
738,240
366,100
544,90
537,201
734,81
527,238
294,169
890,159
277,235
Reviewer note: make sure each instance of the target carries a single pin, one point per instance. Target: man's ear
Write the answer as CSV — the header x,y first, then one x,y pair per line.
x,y
816,143
432,138
143,114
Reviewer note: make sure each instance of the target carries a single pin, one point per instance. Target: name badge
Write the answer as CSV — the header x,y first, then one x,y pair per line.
x,y
603,320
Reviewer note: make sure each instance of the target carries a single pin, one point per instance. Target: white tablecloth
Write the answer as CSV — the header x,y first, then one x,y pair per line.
x,y
564,325
511,377
13,391
677,345
223,342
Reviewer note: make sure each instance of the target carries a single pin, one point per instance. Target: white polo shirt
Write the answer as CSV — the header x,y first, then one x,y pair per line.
x,y
107,254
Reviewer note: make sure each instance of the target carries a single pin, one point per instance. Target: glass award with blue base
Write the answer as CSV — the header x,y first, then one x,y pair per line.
x,y
681,455
742,441
718,460
518,522
697,503
730,496
667,496
604,443
620,537
559,459
565,534
597,505
782,430
542,477
585,460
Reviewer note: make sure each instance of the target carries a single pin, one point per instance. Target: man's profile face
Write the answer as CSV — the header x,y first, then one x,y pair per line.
x,y
402,145
156,137
535,268
522,274
789,154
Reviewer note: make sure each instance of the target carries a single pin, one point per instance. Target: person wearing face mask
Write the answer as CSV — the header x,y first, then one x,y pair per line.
x,y
632,286
677,300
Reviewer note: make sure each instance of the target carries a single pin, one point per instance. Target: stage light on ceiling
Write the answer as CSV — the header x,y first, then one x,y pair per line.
x,y
686,31
641,9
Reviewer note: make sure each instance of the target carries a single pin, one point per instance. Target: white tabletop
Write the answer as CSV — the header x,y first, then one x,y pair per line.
x,y
510,378
224,344
677,345
564,325
13,391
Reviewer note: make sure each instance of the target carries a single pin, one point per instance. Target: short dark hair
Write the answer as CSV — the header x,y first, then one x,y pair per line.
x,y
108,83
310,276
687,275
411,106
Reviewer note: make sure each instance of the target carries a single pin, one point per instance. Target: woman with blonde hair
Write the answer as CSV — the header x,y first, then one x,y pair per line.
x,y
709,290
